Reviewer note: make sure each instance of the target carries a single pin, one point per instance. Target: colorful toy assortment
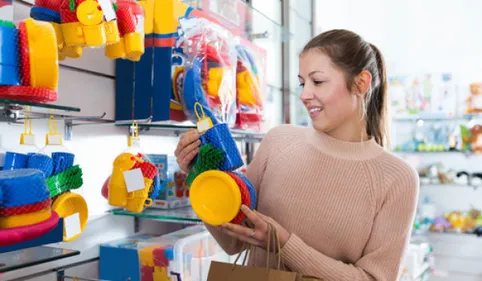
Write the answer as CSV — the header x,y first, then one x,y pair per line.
x,y
37,188
181,255
213,173
192,56
119,26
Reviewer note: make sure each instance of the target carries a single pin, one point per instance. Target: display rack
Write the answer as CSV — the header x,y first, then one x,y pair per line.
x,y
184,215
33,256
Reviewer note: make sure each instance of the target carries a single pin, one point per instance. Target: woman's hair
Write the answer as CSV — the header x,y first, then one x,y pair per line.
x,y
352,54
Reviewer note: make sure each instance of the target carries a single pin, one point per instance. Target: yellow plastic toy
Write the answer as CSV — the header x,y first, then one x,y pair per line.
x,y
44,69
68,204
117,186
25,219
137,200
249,92
215,197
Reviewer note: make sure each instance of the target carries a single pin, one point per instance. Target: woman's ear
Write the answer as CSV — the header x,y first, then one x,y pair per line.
x,y
362,82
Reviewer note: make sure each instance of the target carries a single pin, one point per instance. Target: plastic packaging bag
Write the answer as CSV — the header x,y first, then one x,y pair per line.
x,y
249,90
210,71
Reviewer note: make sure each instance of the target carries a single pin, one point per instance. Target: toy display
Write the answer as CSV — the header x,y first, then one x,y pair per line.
x,y
192,56
430,94
249,90
209,73
174,190
474,101
181,255
90,23
134,179
25,206
28,61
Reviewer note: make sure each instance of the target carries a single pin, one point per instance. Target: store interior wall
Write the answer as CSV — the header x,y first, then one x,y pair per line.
x,y
421,37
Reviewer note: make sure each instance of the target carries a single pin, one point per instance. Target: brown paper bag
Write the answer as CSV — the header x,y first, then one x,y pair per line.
x,y
220,271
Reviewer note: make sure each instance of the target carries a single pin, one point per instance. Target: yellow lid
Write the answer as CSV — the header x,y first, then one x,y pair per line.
x,y
215,197
89,13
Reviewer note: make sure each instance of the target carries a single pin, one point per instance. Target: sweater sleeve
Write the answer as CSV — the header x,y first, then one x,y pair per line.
x,y
384,251
255,172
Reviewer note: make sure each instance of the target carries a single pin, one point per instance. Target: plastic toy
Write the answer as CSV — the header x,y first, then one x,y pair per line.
x,y
209,78
92,23
68,204
249,90
16,235
28,61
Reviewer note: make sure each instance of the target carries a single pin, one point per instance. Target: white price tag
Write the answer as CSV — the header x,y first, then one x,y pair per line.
x,y
29,139
134,180
72,225
204,125
54,140
109,13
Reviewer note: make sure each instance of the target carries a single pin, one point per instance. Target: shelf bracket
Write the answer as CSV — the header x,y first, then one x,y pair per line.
x,y
85,120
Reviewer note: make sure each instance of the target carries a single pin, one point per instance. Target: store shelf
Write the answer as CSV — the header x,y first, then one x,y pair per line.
x,y
53,236
239,13
437,117
20,105
183,215
177,129
33,256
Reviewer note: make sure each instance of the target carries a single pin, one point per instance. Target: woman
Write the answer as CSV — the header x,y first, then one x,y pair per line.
x,y
342,205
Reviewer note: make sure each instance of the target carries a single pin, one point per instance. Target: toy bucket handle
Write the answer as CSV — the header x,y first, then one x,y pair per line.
x,y
148,202
203,116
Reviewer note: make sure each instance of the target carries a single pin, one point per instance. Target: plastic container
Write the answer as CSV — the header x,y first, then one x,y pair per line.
x,y
9,75
187,253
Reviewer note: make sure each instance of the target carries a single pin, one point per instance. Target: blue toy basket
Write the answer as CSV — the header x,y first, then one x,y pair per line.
x,y
220,138
23,187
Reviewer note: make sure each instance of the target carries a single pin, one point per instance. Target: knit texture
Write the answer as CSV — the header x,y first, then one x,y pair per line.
x,y
348,206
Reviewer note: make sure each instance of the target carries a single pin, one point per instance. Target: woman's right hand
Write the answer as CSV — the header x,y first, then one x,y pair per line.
x,y
187,149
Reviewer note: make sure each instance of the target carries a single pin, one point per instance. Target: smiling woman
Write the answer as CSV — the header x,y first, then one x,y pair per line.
x,y
342,204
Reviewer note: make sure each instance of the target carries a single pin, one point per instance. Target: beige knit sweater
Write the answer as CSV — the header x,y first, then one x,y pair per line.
x,y
348,206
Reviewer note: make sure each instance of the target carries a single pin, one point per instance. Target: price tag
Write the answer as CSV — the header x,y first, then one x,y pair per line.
x,y
109,13
204,124
72,225
29,139
134,180
54,139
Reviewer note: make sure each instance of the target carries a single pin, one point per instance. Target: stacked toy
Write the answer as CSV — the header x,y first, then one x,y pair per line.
x,y
91,23
216,190
25,206
124,191
28,61
61,176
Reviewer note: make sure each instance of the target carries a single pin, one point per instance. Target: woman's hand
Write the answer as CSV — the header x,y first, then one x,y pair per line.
x,y
187,149
257,236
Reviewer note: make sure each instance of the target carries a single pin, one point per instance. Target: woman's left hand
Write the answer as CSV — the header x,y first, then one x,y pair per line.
x,y
259,235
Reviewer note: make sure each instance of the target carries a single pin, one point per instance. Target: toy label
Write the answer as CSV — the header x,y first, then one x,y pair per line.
x,y
204,124
108,10
72,225
29,139
54,140
134,180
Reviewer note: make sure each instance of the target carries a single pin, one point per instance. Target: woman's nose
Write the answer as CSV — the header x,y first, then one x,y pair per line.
x,y
306,95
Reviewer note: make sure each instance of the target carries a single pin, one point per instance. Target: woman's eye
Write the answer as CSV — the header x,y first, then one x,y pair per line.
x,y
302,85
318,82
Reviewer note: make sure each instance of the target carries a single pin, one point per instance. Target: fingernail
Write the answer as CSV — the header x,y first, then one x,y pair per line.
x,y
244,208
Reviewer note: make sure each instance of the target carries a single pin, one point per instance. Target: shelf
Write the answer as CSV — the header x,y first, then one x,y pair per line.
x,y
178,129
33,256
20,105
437,117
53,236
239,13
183,215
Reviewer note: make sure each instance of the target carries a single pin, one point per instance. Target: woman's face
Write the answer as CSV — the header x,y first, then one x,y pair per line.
x,y
332,107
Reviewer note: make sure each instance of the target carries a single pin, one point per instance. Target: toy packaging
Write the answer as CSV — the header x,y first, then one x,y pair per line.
x,y
174,192
191,56
182,255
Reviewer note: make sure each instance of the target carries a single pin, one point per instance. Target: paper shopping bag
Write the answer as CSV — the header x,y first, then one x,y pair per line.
x,y
220,271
